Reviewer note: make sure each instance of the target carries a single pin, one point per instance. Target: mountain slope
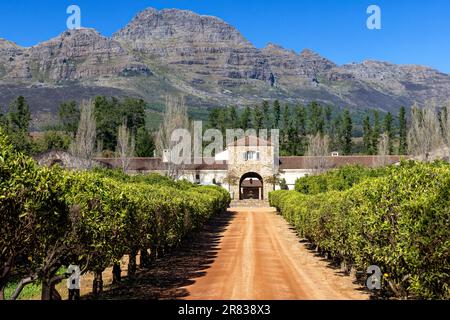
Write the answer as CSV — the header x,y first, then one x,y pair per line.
x,y
207,60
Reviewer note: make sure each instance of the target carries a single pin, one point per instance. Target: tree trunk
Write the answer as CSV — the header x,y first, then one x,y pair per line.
x,y
153,254
97,285
2,293
49,291
132,264
22,284
145,259
46,293
117,273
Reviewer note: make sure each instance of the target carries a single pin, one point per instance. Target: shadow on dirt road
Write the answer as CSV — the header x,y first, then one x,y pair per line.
x,y
166,279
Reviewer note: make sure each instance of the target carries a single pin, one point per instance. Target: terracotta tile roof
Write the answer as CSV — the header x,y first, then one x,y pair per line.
x,y
250,141
156,164
287,163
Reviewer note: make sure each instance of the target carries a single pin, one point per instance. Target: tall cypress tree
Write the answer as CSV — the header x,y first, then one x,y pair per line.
x,y
316,119
258,118
246,121
300,130
17,123
267,115
213,118
328,116
19,115
389,130
367,135
285,130
347,132
276,114
403,142
376,131
145,144
233,118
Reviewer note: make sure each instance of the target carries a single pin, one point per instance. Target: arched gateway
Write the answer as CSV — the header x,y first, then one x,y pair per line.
x,y
251,187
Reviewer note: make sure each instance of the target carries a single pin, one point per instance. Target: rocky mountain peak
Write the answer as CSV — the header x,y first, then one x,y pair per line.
x,y
181,26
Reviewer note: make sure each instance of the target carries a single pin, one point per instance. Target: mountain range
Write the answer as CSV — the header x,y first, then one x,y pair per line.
x,y
178,52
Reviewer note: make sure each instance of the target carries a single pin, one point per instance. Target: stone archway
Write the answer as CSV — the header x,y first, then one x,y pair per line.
x,y
251,186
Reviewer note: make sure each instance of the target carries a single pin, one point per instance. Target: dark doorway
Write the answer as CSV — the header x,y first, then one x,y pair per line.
x,y
251,187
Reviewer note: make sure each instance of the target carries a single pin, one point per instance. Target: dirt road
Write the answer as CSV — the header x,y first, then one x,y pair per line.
x,y
260,257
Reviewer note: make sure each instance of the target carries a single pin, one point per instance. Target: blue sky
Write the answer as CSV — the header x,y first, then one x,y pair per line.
x,y
413,31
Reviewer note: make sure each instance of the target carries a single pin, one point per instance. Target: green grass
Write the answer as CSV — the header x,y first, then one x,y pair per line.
x,y
30,291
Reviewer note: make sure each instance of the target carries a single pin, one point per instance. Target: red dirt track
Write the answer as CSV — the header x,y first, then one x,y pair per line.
x,y
261,258
243,254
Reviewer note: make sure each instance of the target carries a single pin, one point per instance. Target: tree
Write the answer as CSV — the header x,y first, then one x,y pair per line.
x,y
276,114
347,132
300,126
389,131
424,134
84,144
53,140
445,127
286,132
213,118
316,119
336,133
317,153
19,115
17,123
109,115
125,146
246,121
175,117
403,135
145,145
258,118
233,117
69,117
328,117
266,115
383,150
367,135
376,130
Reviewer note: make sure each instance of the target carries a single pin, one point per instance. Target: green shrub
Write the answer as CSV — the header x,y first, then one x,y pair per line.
x,y
399,222
51,218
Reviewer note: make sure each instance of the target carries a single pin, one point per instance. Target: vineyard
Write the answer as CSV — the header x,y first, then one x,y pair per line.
x,y
397,218
51,218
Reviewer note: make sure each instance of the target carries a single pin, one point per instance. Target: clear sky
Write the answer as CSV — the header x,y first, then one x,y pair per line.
x,y
413,31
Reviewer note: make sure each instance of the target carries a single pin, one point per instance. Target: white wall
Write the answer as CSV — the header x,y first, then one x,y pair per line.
x,y
292,175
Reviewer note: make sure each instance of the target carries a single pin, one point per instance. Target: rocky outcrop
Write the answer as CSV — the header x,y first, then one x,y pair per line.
x,y
203,46
75,55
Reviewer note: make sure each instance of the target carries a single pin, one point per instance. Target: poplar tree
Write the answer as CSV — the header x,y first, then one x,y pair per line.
x,y
276,114
403,134
389,131
347,132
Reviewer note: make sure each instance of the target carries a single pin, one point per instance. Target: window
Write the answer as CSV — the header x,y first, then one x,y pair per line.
x,y
252,156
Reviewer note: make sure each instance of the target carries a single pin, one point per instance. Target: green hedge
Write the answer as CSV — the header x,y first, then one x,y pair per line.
x,y
337,180
51,218
400,222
